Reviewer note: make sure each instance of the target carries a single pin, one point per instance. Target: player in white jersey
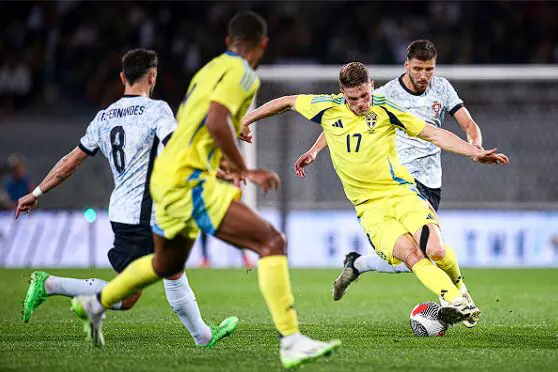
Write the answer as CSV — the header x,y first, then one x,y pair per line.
x,y
430,98
129,133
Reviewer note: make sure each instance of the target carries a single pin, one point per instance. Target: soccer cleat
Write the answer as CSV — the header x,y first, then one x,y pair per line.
x,y
226,328
299,349
348,275
471,321
82,306
36,294
475,316
457,311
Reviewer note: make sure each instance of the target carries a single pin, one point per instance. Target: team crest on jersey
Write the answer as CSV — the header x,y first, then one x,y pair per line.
x,y
437,107
371,121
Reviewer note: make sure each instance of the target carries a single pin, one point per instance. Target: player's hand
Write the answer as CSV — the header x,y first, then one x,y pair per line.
x,y
264,178
491,157
236,178
25,204
245,134
306,159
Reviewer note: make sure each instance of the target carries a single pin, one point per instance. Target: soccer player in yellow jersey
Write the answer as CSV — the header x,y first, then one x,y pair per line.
x,y
188,197
395,217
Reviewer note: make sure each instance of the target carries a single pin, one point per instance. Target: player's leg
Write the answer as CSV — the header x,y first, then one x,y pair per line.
x,y
372,262
457,308
355,264
43,285
443,255
432,244
182,300
369,215
168,260
243,227
416,215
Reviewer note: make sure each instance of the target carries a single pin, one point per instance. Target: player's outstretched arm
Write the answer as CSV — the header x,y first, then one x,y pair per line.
x,y
450,142
309,156
471,129
271,108
58,174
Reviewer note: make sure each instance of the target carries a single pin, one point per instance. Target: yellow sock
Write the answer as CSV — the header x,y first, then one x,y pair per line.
x,y
435,279
451,267
139,274
273,276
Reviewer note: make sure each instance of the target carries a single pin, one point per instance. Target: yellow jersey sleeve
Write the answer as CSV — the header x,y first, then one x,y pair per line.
x,y
312,107
406,121
234,87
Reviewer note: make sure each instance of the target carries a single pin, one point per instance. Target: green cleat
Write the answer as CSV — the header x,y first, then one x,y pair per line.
x,y
36,294
226,328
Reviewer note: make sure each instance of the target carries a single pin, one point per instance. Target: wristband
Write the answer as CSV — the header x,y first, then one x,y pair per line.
x,y
37,192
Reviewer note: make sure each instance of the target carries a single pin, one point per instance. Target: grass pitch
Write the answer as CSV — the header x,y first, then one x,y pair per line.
x,y
518,330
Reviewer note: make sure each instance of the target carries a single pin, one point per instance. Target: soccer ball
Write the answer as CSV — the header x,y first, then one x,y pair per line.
x,y
425,322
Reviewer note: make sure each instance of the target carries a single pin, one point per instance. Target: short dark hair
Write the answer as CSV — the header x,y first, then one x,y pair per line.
x,y
353,74
136,62
247,27
423,50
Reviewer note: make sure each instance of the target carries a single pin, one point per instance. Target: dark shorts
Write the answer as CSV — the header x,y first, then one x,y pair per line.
x,y
432,195
130,243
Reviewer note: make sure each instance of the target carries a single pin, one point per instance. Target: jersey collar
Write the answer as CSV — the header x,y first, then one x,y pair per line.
x,y
131,95
407,89
231,53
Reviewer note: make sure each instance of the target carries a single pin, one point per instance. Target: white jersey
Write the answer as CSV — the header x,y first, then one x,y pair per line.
x,y
128,133
422,158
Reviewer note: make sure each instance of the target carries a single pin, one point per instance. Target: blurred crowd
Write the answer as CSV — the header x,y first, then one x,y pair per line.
x,y
14,182
66,55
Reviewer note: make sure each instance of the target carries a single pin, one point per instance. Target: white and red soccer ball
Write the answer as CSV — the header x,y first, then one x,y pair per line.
x,y
425,321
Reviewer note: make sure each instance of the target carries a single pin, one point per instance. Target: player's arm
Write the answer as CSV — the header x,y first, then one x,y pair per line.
x,y
448,141
472,130
226,100
442,138
58,174
271,108
309,156
219,124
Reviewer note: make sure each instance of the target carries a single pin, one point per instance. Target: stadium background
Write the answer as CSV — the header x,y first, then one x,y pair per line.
x,y
60,64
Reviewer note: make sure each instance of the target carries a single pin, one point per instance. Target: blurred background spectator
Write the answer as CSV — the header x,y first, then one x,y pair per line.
x,y
17,182
64,55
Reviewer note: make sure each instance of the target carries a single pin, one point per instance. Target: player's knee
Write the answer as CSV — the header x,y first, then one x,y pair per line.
x,y
436,251
275,244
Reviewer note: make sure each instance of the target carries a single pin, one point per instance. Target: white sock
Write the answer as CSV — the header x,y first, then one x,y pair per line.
x,y
71,287
373,262
183,301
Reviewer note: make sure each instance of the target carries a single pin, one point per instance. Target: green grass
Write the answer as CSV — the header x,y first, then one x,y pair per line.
x,y
518,329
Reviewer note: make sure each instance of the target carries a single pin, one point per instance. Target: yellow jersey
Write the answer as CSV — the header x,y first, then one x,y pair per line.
x,y
362,148
227,79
